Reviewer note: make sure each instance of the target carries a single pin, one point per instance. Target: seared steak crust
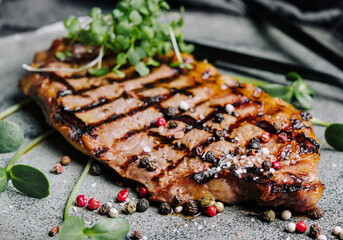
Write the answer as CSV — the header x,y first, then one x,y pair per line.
x,y
204,150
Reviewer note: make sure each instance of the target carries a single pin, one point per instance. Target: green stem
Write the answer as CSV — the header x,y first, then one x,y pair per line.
x,y
256,82
15,108
320,122
76,187
28,147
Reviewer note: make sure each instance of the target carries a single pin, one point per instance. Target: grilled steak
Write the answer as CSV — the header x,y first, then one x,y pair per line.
x,y
215,142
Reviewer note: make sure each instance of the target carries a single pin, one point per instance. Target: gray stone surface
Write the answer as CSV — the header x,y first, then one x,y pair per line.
x,y
22,217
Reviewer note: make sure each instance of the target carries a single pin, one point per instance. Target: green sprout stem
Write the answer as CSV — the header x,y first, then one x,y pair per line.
x,y
7,112
28,147
320,122
76,187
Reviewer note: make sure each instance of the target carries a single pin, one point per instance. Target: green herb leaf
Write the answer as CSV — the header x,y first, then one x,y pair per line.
x,y
108,229
133,56
142,69
95,12
152,62
280,91
187,48
73,25
30,181
302,94
135,17
333,135
98,71
60,56
99,27
3,179
119,73
121,59
71,228
11,137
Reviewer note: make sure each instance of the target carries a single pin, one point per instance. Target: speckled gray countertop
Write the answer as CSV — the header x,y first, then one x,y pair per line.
x,y
22,217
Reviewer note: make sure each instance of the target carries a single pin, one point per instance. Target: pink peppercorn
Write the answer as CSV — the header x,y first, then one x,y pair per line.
x,y
122,195
265,137
211,211
93,204
143,192
301,227
277,165
161,121
81,201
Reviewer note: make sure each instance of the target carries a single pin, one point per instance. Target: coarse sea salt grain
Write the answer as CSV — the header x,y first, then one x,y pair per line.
x,y
147,149
229,108
265,151
184,105
93,184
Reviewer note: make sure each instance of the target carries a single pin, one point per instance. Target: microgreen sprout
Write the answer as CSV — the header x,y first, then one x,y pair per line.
x,y
73,227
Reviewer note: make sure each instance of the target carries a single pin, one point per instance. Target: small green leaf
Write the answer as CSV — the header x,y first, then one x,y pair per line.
x,y
148,32
11,137
72,229
121,59
142,69
133,56
334,136
187,48
135,17
302,94
108,229
123,42
119,73
3,179
280,91
60,56
98,71
116,13
72,24
165,5
30,181
95,12
295,76
124,28
98,26
152,62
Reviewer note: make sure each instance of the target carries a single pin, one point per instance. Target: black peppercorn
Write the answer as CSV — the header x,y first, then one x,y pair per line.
x,y
152,165
104,209
219,133
172,124
197,151
144,162
210,157
191,208
233,167
165,209
315,231
178,199
142,205
266,165
316,213
138,235
96,169
239,151
170,111
254,143
218,118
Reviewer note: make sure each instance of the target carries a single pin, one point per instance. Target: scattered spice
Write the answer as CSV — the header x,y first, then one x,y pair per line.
x,y
122,195
65,160
58,169
93,204
268,216
254,143
239,151
210,157
198,151
178,209
129,207
315,231
306,115
172,124
161,121
104,209
113,213
219,206
183,106
286,214
322,237
81,201
205,202
265,137
143,192
144,162
96,169
277,165
178,199
219,133
165,209
291,227
170,111
316,213
138,235
301,227
191,208
233,167
266,165
229,108
283,137
54,231
337,230
142,205
218,118
211,211
152,165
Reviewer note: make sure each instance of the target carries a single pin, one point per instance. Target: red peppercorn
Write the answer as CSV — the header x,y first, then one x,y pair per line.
x,y
161,121
277,165
122,195
301,227
211,211
81,201
265,137
143,192
93,204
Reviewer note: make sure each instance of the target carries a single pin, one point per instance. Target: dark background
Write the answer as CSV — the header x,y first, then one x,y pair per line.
x,y
24,15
